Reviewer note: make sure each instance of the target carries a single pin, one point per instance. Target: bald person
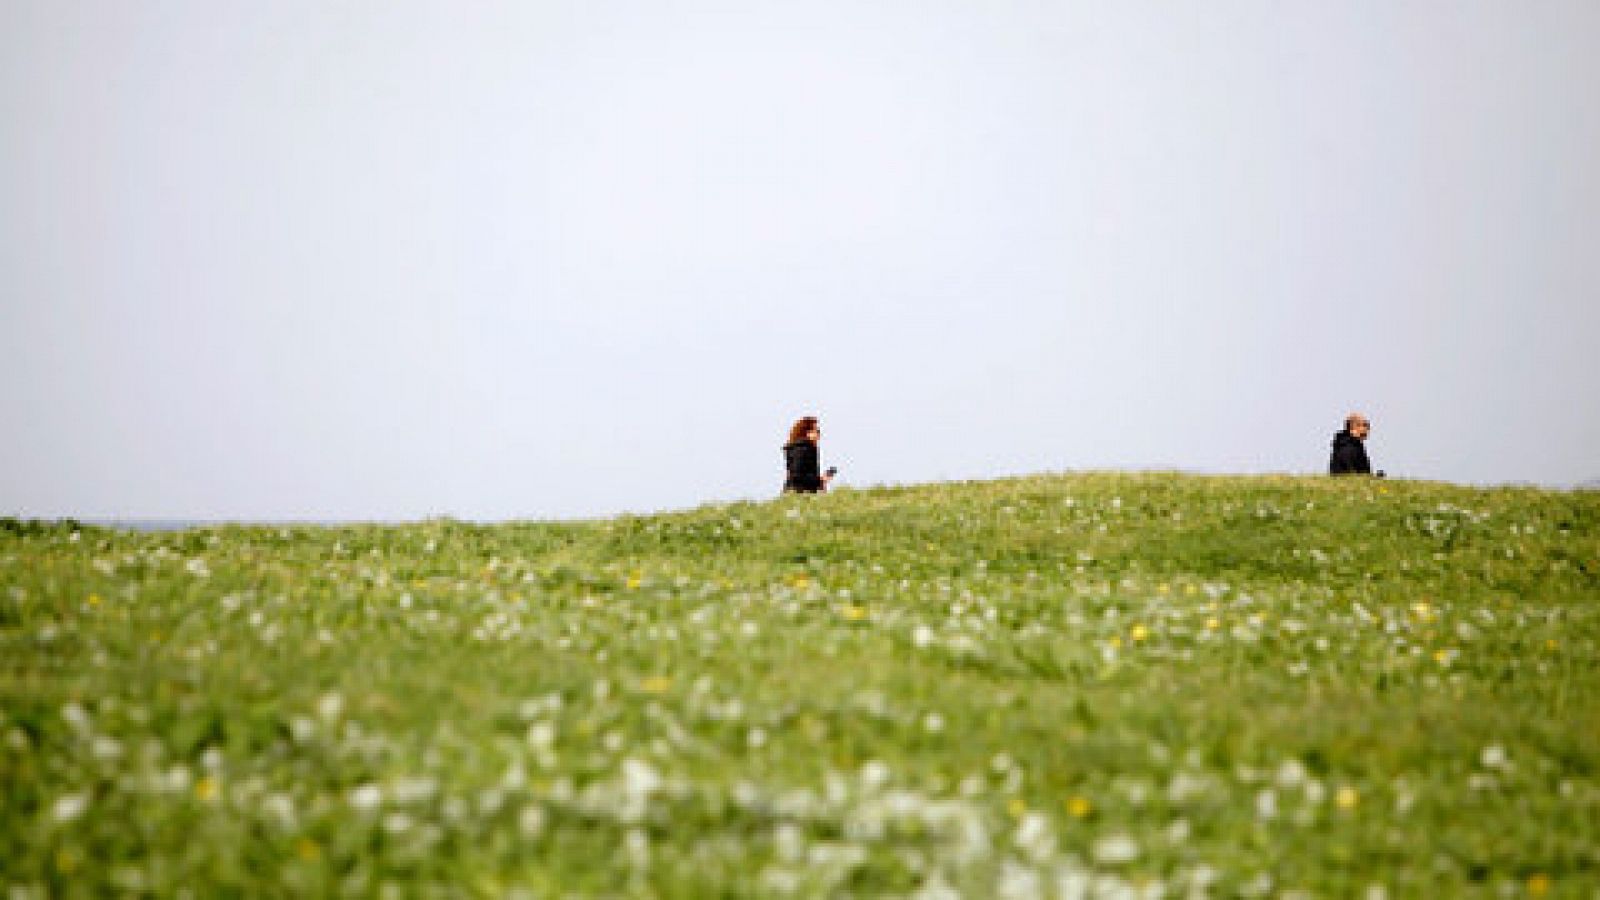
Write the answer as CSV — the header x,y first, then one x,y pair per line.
x,y
1349,450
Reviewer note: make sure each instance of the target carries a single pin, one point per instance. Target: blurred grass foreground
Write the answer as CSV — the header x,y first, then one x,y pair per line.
x,y
1092,685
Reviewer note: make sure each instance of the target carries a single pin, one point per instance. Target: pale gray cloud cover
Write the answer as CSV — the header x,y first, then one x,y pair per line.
x,y
387,260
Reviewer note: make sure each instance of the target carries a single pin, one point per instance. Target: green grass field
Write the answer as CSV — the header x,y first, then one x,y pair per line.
x,y
1089,685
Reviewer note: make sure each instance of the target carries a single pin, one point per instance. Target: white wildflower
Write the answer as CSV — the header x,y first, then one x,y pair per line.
x,y
329,706
178,779
541,735
1115,849
531,821
788,842
280,807
1494,757
637,844
1266,804
1185,786
1035,838
515,777
76,717
1019,882
366,797
1073,883
1200,878
874,774
1179,831
1291,773
639,778
69,806
779,881
936,888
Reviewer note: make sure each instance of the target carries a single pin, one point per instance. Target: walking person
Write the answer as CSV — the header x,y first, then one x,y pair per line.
x,y
804,469
1349,448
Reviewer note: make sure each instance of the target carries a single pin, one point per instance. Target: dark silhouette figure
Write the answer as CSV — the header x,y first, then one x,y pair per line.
x,y
800,457
1349,448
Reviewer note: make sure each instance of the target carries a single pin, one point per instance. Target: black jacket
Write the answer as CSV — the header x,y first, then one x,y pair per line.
x,y
1349,456
804,471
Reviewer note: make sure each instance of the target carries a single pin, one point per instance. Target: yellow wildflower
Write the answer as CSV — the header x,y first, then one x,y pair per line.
x,y
634,580
1078,806
853,613
205,789
1346,798
1212,624
1115,642
1538,884
1016,807
1139,633
94,599
656,684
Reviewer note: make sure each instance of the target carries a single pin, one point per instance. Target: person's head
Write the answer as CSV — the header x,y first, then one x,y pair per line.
x,y
805,429
1358,426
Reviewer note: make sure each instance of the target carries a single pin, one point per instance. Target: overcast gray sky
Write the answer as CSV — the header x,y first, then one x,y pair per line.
x,y
398,259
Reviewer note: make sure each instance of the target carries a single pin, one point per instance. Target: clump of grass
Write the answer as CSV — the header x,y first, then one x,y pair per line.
x,y
1104,684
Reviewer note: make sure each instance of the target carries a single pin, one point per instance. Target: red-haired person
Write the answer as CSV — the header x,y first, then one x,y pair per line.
x,y
805,475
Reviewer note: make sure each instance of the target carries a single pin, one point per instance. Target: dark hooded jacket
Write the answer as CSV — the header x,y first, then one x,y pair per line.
x,y
804,470
1349,456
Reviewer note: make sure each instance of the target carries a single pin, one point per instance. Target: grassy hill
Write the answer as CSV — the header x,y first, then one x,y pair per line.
x,y
1087,685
